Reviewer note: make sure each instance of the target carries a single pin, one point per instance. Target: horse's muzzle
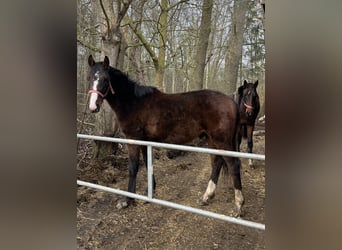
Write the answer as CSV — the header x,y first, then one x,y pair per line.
x,y
249,113
97,109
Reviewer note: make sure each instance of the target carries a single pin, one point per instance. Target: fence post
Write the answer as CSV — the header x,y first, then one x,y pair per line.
x,y
149,172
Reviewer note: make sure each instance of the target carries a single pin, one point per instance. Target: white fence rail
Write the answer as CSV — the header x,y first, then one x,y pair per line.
x,y
149,197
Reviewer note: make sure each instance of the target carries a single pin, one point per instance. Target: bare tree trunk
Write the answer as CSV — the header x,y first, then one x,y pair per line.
x,y
234,53
135,51
201,53
113,46
160,68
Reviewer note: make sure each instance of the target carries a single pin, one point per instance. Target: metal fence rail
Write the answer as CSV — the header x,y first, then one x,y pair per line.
x,y
149,197
174,146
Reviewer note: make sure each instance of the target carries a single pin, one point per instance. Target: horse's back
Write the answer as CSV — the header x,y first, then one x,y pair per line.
x,y
181,117
200,104
208,98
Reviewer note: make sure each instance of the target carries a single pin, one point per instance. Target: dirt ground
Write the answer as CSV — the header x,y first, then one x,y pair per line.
x,y
183,179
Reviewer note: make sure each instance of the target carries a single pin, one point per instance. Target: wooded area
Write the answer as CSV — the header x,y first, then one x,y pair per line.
x,y
175,45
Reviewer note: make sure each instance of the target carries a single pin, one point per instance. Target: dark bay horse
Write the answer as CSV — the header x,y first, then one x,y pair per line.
x,y
145,113
248,101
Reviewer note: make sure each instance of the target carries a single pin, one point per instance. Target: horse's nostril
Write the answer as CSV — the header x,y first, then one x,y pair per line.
x,y
96,110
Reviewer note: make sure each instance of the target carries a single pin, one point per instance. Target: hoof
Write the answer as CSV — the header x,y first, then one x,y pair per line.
x,y
237,213
124,203
202,202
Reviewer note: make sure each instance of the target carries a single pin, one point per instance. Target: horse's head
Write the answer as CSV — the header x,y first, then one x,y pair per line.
x,y
248,97
99,81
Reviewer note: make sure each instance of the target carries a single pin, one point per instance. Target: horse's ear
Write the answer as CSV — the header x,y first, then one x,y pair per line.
x,y
256,83
106,62
91,61
245,83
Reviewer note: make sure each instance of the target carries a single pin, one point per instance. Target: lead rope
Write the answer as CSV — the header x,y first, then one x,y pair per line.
x,y
82,121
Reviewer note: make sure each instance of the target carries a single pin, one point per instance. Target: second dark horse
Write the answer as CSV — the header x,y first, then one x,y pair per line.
x,y
249,106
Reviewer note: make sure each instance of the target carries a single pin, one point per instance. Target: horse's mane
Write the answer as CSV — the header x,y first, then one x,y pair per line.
x,y
140,90
132,86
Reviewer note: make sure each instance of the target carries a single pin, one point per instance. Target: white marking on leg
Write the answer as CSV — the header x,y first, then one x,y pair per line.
x,y
250,162
210,190
94,96
239,200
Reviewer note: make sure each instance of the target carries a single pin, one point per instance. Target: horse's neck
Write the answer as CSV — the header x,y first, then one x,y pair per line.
x,y
121,103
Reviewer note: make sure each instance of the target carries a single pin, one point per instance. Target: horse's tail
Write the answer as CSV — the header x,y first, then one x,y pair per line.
x,y
224,169
237,129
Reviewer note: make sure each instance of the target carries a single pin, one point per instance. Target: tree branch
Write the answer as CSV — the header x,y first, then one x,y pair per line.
x,y
123,11
106,16
175,4
146,45
89,46
178,48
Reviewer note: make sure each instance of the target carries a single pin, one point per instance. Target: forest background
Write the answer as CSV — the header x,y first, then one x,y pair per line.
x,y
175,45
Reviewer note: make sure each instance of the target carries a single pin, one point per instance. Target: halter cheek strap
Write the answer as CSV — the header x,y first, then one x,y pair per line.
x,y
111,88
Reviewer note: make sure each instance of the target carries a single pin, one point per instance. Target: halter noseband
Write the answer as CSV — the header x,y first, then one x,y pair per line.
x,y
100,94
248,106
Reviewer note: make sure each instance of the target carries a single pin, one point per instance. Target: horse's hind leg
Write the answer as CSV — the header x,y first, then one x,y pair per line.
x,y
217,162
239,199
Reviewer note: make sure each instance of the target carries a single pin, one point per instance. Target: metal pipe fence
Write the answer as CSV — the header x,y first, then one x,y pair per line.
x,y
149,197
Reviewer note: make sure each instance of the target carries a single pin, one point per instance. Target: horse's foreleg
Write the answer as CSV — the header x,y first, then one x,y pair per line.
x,y
133,168
250,143
217,162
